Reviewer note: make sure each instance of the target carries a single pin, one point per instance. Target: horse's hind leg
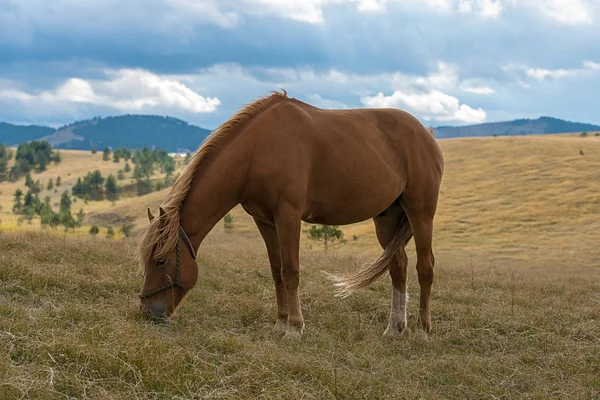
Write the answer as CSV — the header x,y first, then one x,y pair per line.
x,y
420,209
269,235
386,226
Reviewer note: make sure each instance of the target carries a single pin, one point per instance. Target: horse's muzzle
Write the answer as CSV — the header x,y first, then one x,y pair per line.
x,y
155,312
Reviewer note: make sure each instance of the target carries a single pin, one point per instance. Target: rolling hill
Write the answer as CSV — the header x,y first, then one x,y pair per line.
x,y
130,131
175,135
514,302
543,125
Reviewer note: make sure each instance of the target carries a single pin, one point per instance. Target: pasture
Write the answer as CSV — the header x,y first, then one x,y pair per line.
x,y
515,302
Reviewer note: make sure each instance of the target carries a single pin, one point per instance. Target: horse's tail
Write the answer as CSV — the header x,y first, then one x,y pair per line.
x,y
347,284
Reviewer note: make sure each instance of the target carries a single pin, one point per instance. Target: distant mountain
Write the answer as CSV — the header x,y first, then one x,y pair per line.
x,y
172,134
15,134
131,131
543,125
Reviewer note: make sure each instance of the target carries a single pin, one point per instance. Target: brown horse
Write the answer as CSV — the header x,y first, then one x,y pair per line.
x,y
285,162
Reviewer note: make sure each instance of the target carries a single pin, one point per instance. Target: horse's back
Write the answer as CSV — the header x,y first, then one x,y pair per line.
x,y
344,165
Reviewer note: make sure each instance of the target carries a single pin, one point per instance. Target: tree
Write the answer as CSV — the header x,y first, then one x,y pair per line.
x,y
58,181
65,202
94,149
111,187
127,167
126,229
96,179
228,221
116,157
18,204
34,154
168,166
327,233
106,154
5,157
67,220
80,217
110,232
122,153
187,158
94,230
29,181
50,184
42,162
144,165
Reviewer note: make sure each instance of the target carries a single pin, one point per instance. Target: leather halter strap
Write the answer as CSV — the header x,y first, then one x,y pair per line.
x,y
177,282
187,242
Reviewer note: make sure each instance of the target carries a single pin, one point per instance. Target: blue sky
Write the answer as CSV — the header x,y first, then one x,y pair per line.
x,y
448,62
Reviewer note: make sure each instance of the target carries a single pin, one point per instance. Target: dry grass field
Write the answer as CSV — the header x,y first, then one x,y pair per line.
x,y
515,302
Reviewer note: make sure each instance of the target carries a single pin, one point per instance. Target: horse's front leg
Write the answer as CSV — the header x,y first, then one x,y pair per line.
x,y
269,235
288,225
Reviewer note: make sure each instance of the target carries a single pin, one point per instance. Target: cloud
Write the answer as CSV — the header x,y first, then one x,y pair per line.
x,y
126,90
569,12
319,101
484,90
589,68
433,105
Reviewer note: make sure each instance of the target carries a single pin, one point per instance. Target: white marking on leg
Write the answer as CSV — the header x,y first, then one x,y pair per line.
x,y
397,322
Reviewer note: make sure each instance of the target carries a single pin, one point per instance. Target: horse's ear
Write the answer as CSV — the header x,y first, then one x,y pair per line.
x,y
162,212
150,216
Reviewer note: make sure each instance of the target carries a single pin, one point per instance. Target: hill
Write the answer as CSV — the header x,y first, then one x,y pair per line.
x,y
130,131
514,303
543,125
175,135
14,134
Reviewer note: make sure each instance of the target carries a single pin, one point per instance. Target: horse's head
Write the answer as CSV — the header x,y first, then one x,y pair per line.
x,y
170,266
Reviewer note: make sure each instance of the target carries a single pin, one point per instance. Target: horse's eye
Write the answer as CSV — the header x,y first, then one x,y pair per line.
x,y
161,262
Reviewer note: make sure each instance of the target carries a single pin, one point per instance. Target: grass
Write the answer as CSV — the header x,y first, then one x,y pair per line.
x,y
515,303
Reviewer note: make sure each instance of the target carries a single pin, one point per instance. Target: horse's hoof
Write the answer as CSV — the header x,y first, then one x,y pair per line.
x,y
280,326
294,332
395,330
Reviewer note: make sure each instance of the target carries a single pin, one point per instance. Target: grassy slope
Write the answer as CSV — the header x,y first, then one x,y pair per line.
x,y
76,164
515,305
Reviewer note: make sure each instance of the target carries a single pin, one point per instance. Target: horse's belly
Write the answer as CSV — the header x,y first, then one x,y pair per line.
x,y
347,199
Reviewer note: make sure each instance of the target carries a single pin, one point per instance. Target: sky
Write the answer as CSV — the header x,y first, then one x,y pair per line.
x,y
448,62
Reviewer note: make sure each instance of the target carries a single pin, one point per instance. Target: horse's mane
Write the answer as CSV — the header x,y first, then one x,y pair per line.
x,y
160,236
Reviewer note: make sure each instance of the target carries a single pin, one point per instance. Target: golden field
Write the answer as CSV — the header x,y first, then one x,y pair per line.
x,y
515,302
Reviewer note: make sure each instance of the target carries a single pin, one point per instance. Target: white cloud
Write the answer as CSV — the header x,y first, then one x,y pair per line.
x,y
589,68
130,90
485,8
541,73
569,12
483,90
431,105
318,101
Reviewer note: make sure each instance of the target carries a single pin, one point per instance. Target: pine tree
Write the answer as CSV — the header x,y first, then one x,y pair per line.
x,y
327,233
111,187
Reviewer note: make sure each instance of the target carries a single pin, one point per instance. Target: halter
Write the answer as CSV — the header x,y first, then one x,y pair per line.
x,y
177,282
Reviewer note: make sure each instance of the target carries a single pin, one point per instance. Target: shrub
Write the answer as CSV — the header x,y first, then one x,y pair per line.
x,y
126,229
228,221
94,230
327,233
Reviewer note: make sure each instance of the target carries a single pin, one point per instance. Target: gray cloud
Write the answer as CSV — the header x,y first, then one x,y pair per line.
x,y
239,50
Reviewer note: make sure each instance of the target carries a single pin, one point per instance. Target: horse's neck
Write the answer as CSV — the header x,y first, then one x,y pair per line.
x,y
213,193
